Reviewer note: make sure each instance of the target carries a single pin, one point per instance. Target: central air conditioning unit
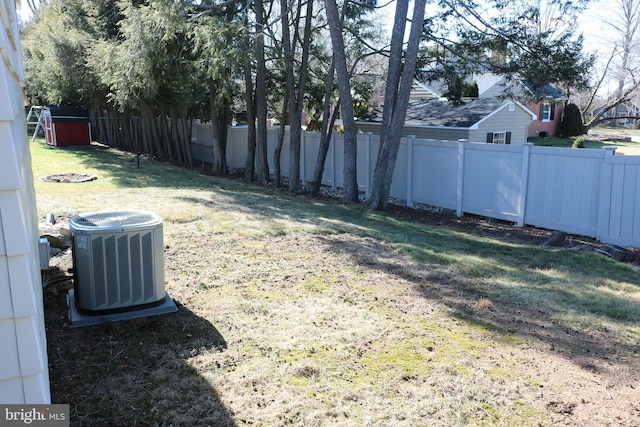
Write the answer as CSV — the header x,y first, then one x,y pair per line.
x,y
118,262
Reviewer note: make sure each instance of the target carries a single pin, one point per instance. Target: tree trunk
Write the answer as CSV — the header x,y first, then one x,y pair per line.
x,y
323,149
277,170
262,165
296,97
106,125
100,114
156,135
396,101
249,167
325,133
176,140
145,123
134,132
187,126
125,128
219,161
166,136
346,103
290,93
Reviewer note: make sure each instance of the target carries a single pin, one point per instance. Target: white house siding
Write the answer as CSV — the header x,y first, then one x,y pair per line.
x,y
444,134
24,374
515,121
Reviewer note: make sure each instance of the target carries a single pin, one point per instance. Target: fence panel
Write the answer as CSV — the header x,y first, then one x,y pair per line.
x,y
620,212
588,192
435,173
368,147
492,180
563,191
201,142
237,147
399,181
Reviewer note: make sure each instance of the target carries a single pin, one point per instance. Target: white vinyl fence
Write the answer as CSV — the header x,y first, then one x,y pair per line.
x,y
588,192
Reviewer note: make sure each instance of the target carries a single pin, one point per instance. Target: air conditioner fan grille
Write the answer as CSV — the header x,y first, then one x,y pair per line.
x,y
97,220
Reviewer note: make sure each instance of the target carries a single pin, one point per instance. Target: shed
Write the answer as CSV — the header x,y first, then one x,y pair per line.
x,y
67,125
477,120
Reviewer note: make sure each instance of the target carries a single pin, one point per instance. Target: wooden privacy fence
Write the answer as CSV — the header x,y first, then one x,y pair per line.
x,y
589,192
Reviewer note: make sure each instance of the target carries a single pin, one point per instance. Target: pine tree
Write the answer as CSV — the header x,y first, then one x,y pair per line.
x,y
571,124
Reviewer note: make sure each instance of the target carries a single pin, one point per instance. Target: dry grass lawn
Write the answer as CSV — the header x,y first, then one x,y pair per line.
x,y
304,312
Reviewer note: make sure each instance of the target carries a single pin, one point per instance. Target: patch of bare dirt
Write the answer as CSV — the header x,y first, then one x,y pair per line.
x,y
67,178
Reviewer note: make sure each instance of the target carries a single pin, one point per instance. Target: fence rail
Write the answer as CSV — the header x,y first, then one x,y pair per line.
x,y
588,192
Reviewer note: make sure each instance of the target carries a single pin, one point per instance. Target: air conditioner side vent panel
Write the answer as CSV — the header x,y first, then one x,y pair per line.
x,y
119,264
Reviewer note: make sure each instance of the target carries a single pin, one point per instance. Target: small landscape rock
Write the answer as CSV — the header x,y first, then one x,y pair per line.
x,y
556,239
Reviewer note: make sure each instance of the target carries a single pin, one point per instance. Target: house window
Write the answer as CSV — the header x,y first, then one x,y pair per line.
x,y
499,137
546,112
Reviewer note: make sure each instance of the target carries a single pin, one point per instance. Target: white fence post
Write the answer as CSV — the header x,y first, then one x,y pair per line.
x,y
332,147
604,198
410,139
367,164
460,179
524,182
303,157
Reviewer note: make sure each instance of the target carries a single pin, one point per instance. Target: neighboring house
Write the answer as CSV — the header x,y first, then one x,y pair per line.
x,y
24,377
478,119
548,110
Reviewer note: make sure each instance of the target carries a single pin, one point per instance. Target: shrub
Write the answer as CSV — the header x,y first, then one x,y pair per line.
x,y
578,142
571,124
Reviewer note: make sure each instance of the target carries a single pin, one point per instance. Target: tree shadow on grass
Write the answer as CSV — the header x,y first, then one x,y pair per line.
x,y
134,372
532,311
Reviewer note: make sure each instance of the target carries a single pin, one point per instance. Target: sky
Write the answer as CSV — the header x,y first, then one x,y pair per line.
x,y
592,23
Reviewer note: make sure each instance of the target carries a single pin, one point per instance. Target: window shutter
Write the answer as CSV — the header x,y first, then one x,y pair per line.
x,y
541,111
507,139
489,137
553,111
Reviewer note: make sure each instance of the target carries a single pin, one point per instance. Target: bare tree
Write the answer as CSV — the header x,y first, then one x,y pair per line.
x,y
262,165
396,98
346,102
33,5
249,169
623,63
295,94
626,23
